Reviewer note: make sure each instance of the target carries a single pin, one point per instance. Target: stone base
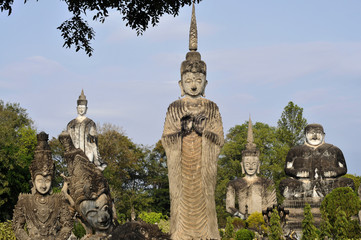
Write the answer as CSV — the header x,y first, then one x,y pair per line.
x,y
296,208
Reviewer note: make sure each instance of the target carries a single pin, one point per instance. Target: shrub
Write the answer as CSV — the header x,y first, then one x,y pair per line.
x,y
152,217
6,231
244,234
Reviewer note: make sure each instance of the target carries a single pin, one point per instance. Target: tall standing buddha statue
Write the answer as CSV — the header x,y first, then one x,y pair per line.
x,y
192,139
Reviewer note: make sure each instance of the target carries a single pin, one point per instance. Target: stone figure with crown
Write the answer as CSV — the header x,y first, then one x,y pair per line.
x,y
192,139
42,215
88,192
252,193
83,132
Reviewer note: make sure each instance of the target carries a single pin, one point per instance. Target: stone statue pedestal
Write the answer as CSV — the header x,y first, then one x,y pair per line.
x,y
296,210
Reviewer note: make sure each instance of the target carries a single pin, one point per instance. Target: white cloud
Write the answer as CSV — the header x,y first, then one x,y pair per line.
x,y
286,63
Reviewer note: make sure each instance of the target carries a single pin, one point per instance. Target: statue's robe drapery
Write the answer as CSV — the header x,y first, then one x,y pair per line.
x,y
257,195
84,136
317,162
45,217
192,167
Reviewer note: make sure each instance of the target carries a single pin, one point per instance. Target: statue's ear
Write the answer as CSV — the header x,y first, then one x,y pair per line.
x,y
181,87
259,168
243,172
204,89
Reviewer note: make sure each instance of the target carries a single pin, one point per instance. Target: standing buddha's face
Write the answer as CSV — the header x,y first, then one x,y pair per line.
x,y
250,165
193,84
97,212
42,183
315,136
81,109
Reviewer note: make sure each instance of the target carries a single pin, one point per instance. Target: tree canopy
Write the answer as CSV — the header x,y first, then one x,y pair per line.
x,y
137,15
17,144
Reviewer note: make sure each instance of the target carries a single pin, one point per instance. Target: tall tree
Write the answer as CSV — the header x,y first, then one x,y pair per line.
x,y
157,179
346,200
17,144
275,226
126,169
137,15
291,125
308,227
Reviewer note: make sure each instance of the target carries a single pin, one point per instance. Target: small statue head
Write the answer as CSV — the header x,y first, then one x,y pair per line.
x,y
193,81
250,162
97,212
82,104
42,167
193,70
314,134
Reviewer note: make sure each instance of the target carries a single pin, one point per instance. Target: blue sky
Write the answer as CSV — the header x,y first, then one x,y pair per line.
x,y
260,55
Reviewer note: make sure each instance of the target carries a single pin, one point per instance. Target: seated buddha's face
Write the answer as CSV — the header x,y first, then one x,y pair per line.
x,y
97,212
193,84
250,165
42,183
315,136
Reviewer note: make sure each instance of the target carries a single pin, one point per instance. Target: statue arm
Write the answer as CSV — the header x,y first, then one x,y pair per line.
x,y
172,127
339,168
230,200
19,221
214,128
291,171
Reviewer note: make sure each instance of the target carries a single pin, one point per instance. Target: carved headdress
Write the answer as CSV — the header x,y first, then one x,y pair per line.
x,y
193,62
43,163
86,181
82,99
251,148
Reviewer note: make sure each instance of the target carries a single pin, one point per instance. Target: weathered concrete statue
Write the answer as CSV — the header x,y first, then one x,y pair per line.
x,y
41,214
83,132
254,193
314,168
192,139
88,192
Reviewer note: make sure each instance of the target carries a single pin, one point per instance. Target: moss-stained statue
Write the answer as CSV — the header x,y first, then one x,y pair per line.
x,y
84,134
41,214
88,192
192,139
314,168
252,193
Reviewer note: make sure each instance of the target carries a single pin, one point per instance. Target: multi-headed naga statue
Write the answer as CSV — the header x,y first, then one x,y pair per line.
x,y
192,138
41,214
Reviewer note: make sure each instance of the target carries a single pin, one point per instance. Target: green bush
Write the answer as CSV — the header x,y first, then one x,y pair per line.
x,y
229,231
238,223
244,234
256,223
152,217
78,230
164,225
6,231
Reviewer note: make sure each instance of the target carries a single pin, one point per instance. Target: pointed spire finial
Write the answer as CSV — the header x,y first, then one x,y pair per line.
x,y
250,144
193,35
82,99
250,131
